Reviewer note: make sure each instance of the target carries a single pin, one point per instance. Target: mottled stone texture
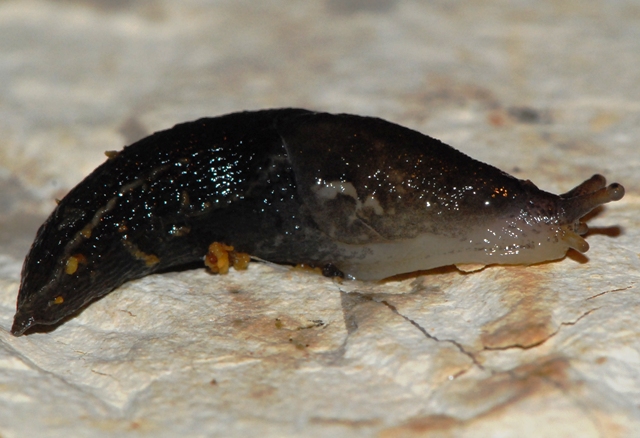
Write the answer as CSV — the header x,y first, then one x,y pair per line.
x,y
544,90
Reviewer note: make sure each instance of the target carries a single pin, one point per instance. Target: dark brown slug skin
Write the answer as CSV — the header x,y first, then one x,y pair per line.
x,y
250,180
176,191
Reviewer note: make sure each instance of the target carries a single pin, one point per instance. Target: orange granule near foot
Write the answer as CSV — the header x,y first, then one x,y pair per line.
x,y
220,257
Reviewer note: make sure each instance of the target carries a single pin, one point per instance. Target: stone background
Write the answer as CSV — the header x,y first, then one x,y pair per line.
x,y
545,90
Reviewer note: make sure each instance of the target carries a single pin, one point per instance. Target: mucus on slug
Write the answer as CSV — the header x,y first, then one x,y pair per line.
x,y
358,195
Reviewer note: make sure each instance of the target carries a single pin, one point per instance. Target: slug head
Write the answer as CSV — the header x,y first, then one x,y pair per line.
x,y
536,226
578,202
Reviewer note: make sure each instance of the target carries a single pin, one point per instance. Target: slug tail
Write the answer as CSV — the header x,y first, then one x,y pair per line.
x,y
21,323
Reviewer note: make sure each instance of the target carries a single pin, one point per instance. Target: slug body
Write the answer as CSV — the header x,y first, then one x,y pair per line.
x,y
371,198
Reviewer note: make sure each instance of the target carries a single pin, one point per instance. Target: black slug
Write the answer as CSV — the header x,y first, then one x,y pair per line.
x,y
359,195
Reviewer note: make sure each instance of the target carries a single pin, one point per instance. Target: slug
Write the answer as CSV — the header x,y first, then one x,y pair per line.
x,y
357,195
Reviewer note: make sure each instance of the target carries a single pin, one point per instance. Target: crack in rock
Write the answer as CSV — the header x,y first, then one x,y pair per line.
x,y
430,336
610,291
542,341
352,324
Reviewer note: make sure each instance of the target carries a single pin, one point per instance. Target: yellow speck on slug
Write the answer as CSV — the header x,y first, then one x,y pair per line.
x,y
71,267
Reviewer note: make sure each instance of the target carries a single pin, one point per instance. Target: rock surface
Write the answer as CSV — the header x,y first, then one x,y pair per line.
x,y
543,90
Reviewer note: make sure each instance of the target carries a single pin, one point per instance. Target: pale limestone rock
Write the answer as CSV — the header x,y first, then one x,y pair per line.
x,y
546,91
